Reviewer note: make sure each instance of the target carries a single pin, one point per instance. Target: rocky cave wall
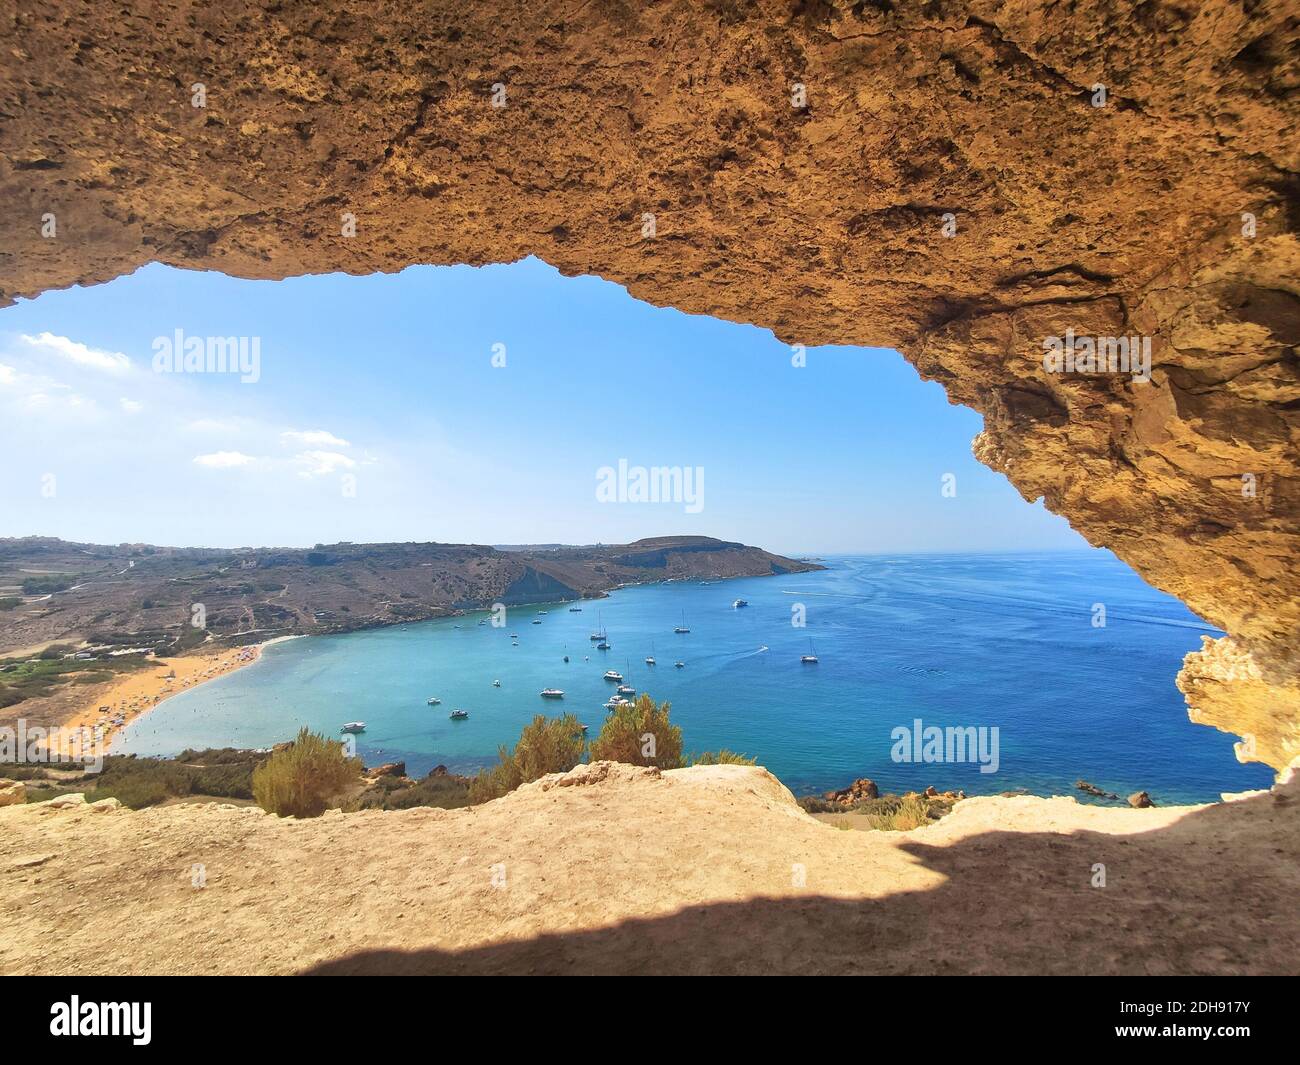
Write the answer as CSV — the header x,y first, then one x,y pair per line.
x,y
956,184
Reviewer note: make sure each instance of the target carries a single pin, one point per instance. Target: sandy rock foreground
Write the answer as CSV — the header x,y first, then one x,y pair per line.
x,y
613,869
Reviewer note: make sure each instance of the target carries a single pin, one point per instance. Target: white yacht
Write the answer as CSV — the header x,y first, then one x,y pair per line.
x,y
614,675
552,693
354,726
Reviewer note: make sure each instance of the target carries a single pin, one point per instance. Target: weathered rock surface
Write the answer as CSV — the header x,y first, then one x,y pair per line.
x,y
12,792
859,791
623,869
1169,212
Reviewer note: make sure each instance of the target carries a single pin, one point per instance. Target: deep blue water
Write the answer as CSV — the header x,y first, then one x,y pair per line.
x,y
974,640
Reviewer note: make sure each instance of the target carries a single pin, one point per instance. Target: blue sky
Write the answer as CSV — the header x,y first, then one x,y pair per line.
x,y
379,415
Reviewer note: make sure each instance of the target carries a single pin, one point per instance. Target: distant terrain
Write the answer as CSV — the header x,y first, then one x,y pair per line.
x,y
139,596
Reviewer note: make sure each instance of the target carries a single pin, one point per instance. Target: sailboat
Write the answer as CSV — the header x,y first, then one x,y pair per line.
x,y
810,659
626,689
650,658
682,628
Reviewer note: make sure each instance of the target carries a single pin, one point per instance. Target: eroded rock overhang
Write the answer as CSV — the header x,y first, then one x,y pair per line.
x,y
945,178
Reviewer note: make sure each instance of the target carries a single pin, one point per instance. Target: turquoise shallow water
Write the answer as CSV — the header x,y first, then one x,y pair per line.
x,y
981,640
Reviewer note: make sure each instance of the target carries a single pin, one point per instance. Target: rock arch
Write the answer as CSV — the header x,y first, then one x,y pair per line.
x,y
1164,206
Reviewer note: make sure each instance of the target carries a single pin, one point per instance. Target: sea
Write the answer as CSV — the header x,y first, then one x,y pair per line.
x,y
1065,661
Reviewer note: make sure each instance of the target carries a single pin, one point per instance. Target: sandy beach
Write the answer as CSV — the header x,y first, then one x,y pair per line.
x,y
135,694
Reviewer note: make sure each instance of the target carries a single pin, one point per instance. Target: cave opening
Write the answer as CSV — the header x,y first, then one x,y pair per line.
x,y
510,405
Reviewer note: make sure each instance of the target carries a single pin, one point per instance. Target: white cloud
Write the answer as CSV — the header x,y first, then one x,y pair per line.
x,y
131,406
8,375
81,354
223,460
320,463
313,438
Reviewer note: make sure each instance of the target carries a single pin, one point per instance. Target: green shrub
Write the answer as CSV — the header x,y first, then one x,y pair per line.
x,y
722,757
912,811
547,745
446,791
8,602
640,734
300,780
46,585
135,792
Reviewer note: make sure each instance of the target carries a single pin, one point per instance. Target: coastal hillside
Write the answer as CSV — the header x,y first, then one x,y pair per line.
x,y
614,869
143,596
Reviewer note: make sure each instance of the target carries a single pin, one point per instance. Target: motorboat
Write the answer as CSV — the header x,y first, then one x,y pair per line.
x,y
459,715
614,675
354,726
552,693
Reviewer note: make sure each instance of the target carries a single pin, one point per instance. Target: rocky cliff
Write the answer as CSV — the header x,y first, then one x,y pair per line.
x,y
960,179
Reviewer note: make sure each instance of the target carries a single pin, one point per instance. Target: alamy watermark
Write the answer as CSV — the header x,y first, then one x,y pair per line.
x,y
930,743
82,746
181,354
1098,355
653,484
